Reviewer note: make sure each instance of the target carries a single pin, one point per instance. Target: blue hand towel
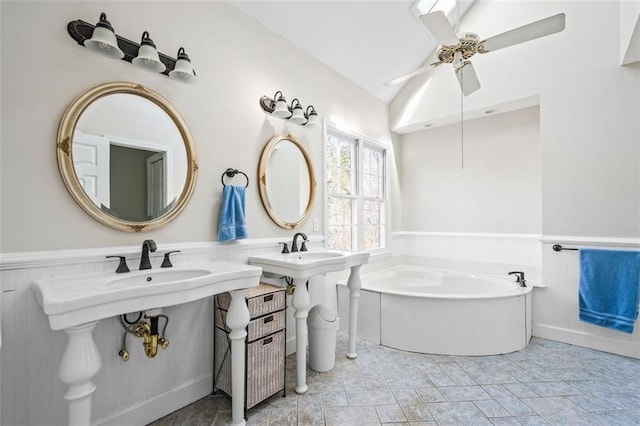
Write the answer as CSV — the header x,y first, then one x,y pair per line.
x,y
609,286
232,225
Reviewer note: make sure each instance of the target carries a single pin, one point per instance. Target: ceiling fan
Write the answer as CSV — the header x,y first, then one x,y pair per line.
x,y
456,49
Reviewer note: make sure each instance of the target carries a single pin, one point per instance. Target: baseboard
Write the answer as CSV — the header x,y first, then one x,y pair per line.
x,y
159,406
579,338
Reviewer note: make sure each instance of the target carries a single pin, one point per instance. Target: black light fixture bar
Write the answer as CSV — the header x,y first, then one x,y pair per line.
x,y
80,31
268,105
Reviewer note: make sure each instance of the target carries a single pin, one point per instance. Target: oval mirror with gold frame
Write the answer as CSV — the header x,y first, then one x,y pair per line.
x,y
127,156
286,180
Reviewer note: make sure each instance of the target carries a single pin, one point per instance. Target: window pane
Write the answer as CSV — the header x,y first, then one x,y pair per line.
x,y
371,237
340,166
355,194
371,210
340,237
340,211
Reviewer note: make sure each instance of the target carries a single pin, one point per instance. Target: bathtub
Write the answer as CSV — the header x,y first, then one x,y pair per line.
x,y
445,312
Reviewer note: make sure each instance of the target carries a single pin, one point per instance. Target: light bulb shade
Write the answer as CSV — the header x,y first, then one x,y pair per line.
x,y
183,70
148,58
281,109
103,40
298,116
313,120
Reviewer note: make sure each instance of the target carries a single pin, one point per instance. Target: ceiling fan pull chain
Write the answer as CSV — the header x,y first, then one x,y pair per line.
x,y
462,125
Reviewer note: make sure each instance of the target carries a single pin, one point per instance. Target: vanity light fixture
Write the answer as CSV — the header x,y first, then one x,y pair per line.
x,y
297,116
148,58
102,39
281,109
183,69
312,117
295,112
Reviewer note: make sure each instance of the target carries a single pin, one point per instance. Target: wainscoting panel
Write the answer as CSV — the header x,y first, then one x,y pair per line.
x,y
487,253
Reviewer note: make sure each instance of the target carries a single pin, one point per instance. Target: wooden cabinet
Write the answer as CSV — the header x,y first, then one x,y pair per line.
x,y
265,350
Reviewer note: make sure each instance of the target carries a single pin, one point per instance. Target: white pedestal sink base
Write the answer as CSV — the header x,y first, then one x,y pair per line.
x,y
301,267
354,283
237,319
80,362
301,303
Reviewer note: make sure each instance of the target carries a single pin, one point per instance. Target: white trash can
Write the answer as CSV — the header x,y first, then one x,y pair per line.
x,y
323,325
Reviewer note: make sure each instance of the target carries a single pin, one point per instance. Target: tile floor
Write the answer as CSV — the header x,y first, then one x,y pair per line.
x,y
546,383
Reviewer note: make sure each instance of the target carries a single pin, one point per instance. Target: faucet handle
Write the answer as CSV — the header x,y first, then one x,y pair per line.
x,y
122,266
166,262
304,245
285,248
519,277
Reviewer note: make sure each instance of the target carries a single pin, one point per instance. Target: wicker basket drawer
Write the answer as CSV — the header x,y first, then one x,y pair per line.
x,y
265,366
257,327
265,325
261,300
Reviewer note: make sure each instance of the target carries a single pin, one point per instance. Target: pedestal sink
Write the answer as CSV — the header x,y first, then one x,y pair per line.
x,y
76,303
301,266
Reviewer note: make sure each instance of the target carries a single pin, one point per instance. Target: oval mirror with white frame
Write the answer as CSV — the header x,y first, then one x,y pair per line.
x,y
286,181
126,156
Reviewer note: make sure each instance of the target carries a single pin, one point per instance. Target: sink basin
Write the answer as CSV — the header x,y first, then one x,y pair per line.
x,y
316,255
154,277
79,299
304,264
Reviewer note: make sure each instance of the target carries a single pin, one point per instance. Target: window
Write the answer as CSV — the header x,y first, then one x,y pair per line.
x,y
356,192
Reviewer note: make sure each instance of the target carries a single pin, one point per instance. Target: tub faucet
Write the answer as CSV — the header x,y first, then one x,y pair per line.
x,y
144,260
294,244
519,278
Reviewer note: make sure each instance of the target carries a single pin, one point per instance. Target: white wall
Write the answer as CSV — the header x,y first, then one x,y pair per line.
x,y
589,109
237,61
496,189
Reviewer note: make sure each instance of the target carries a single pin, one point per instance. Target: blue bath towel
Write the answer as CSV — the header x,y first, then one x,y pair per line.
x,y
232,225
609,287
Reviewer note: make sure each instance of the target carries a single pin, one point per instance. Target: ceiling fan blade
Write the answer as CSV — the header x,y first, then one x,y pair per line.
x,y
440,28
406,77
467,78
466,74
541,28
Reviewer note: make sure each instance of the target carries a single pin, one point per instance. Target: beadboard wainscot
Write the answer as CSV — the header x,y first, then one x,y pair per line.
x,y
134,392
474,252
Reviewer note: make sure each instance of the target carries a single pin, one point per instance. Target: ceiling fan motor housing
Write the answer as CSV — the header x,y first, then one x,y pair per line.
x,y
468,45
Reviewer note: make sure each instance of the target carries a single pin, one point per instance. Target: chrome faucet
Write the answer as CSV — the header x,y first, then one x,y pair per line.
x,y
294,244
144,260
519,278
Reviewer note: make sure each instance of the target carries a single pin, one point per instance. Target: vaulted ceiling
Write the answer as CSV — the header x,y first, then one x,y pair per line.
x,y
369,42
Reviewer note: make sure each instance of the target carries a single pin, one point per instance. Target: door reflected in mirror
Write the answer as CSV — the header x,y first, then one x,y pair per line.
x,y
287,184
132,164
129,169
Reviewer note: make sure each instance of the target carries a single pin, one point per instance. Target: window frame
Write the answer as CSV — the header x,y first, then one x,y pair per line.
x,y
358,225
